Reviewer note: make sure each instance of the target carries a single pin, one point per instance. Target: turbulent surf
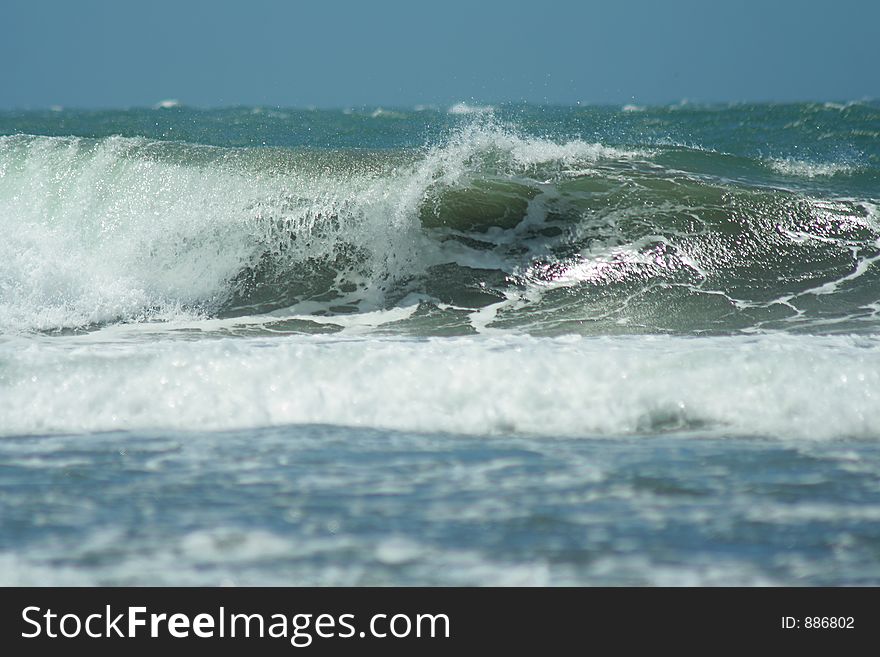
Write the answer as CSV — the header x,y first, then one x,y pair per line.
x,y
474,282
489,228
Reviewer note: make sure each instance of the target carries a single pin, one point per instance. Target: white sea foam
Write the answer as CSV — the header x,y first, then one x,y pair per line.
x,y
782,386
467,148
235,559
105,230
387,114
465,108
804,169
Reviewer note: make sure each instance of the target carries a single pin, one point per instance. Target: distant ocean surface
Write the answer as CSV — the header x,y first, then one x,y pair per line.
x,y
466,345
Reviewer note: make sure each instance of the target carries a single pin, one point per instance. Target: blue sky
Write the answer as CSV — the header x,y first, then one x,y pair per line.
x,y
120,53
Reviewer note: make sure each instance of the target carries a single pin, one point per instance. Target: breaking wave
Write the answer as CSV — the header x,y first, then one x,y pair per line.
x,y
488,230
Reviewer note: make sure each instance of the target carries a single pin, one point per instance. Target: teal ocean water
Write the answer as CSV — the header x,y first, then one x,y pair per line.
x,y
441,345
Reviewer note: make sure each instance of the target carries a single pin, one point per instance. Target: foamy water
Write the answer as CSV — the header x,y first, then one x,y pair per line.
x,y
778,387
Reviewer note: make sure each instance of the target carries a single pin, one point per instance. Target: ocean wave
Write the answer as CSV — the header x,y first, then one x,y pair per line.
x,y
129,229
488,230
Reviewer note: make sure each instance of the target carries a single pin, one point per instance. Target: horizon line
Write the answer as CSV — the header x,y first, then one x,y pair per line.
x,y
168,104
